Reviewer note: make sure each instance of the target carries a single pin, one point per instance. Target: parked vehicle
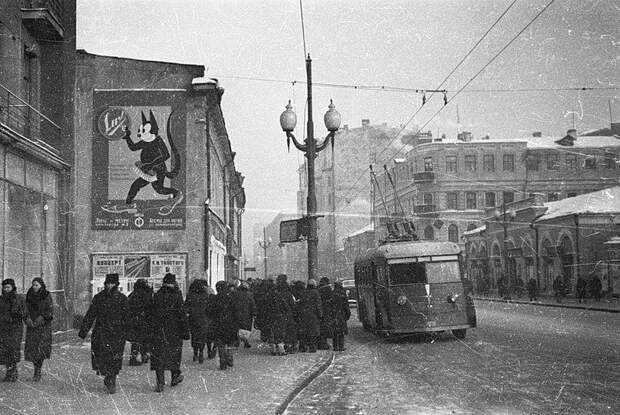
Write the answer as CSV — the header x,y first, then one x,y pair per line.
x,y
407,287
351,290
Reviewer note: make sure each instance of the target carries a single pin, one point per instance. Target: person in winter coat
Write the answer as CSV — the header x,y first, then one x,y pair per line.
x,y
280,313
580,289
11,328
298,289
327,305
596,287
246,309
108,312
532,289
38,319
222,311
558,288
342,313
139,303
170,328
310,314
196,305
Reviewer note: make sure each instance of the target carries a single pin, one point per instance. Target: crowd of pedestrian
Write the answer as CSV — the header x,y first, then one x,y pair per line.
x,y
291,318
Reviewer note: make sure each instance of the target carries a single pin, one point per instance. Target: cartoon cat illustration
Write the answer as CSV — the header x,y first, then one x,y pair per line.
x,y
151,168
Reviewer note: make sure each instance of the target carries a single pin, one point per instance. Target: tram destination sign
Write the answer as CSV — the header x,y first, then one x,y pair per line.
x,y
293,230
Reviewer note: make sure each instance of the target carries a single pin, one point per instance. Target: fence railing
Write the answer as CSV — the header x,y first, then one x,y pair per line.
x,y
26,120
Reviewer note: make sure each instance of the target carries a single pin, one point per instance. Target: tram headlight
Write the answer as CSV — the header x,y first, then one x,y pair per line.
x,y
452,298
402,300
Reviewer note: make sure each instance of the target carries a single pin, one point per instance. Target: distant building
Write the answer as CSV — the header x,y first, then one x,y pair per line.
x,y
447,184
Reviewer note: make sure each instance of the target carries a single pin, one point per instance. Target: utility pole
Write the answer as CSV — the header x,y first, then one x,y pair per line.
x,y
265,244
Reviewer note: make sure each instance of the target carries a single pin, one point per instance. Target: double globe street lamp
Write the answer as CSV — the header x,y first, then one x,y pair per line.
x,y
311,148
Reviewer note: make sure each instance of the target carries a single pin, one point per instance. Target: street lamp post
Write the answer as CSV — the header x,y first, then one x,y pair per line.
x,y
311,148
504,222
265,243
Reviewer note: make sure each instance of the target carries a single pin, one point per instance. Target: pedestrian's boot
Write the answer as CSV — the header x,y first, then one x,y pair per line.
x,y
221,350
195,358
161,380
110,384
177,378
36,377
210,350
274,349
201,356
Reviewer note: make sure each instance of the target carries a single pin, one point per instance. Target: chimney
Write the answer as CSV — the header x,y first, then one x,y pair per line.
x,y
365,123
536,134
486,137
465,136
572,133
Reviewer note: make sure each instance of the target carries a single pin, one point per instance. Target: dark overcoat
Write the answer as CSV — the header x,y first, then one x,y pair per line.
x,y
38,318
222,311
170,328
246,308
327,305
108,312
283,328
201,326
310,313
11,327
139,303
342,313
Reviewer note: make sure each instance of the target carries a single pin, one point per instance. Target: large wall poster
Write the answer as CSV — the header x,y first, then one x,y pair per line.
x,y
138,179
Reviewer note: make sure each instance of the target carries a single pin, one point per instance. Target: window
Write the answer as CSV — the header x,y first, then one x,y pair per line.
x,y
429,233
452,200
470,200
553,196
488,162
590,163
451,164
470,163
610,161
508,197
509,162
453,233
553,161
532,162
489,199
427,198
571,162
408,273
428,164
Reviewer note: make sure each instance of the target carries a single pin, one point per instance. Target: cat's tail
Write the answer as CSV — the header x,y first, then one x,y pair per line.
x,y
175,153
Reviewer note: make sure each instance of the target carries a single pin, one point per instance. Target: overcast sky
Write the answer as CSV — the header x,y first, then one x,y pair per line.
x,y
408,44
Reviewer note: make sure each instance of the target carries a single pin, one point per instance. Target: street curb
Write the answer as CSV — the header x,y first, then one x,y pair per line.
x,y
560,305
315,371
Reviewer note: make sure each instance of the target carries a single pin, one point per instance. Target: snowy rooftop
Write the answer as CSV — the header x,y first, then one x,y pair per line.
x,y
544,142
475,231
602,201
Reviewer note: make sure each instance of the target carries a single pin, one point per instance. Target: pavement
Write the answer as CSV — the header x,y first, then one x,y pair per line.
x,y
257,384
611,304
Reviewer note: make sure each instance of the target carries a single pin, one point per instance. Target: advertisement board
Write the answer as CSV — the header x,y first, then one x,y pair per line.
x,y
138,155
132,266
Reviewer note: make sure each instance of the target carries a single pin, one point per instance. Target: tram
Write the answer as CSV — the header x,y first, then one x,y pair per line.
x,y
412,286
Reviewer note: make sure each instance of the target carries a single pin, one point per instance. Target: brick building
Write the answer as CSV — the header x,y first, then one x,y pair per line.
x,y
448,184
37,74
189,223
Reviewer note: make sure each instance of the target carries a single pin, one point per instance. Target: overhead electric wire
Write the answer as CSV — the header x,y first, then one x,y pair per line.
x,y
467,83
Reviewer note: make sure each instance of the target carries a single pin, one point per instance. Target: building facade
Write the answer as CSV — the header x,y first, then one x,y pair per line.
x,y
37,74
169,198
447,184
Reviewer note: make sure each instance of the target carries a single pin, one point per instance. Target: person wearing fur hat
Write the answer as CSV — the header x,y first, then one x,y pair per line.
x,y
11,328
170,328
108,313
223,312
139,303
310,313
327,305
38,319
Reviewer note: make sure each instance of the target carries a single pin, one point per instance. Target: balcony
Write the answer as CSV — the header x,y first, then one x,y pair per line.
x,y
25,124
426,210
43,18
424,177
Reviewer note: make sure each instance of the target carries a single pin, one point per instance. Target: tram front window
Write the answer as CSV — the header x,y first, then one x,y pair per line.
x,y
408,273
447,271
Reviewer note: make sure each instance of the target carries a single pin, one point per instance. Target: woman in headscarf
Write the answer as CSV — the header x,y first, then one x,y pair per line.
x,y
38,319
196,305
140,302
170,328
11,328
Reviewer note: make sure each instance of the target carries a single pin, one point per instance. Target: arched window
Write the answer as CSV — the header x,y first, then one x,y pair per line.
x,y
429,233
453,233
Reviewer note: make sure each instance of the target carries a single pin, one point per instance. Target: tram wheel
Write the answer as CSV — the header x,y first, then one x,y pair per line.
x,y
459,333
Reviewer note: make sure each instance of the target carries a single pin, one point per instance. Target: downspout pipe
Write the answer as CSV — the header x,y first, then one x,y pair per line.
x,y
533,226
578,259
